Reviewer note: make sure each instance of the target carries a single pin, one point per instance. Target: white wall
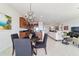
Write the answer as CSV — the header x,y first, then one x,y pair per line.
x,y
71,23
5,35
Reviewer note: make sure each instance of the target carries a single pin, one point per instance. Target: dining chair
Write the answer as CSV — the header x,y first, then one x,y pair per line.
x,y
42,44
14,36
23,47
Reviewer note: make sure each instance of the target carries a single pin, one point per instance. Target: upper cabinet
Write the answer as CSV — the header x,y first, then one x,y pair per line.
x,y
23,22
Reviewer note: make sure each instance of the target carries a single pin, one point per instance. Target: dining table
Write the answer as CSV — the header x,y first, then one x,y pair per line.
x,y
33,40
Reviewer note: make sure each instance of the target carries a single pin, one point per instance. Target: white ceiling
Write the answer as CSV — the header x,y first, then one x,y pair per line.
x,y
50,12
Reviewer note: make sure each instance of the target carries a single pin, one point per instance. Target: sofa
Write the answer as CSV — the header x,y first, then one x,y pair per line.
x,y
58,35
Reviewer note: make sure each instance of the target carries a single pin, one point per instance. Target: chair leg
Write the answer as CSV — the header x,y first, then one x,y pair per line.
x,y
36,51
45,51
13,52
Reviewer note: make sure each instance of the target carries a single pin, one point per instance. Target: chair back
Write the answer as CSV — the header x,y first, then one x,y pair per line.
x,y
45,39
23,47
14,36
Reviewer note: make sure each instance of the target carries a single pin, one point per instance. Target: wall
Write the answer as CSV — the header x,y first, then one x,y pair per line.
x,y
71,23
5,35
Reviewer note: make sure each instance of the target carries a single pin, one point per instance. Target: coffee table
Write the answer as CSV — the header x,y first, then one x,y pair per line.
x,y
67,40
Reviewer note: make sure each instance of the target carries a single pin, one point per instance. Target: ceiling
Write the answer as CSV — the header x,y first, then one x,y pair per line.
x,y
50,12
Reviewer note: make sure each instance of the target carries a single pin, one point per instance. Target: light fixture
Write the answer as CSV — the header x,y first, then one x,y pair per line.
x,y
30,14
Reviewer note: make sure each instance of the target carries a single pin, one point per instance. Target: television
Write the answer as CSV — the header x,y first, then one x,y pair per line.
x,y
75,29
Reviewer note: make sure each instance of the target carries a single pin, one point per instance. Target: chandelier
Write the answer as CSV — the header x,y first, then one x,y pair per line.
x,y
30,14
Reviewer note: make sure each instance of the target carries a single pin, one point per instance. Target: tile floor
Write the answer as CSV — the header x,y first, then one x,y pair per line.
x,y
54,48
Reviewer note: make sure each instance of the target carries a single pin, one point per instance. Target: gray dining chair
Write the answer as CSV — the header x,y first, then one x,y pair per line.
x,y
13,37
42,44
23,47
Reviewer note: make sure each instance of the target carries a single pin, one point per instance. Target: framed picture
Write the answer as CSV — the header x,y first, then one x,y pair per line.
x,y
5,22
65,27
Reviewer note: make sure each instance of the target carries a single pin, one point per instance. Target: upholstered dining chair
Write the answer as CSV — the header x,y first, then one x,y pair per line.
x,y
14,36
42,44
23,47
